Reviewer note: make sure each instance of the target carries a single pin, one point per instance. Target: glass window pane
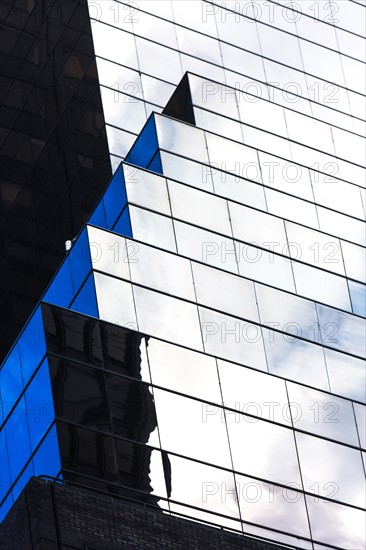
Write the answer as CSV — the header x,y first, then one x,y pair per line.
x,y
32,345
342,330
287,313
146,189
274,507
206,247
258,264
183,370
187,427
4,466
315,248
334,524
295,359
358,297
135,421
225,292
39,404
11,383
286,176
181,138
86,300
253,392
360,413
155,313
114,44
347,375
232,339
237,189
109,252
257,228
168,67
185,170
355,261
233,157
320,286
323,414
291,208
263,449
160,270
152,228
339,474
206,488
115,301
17,437
199,208
47,458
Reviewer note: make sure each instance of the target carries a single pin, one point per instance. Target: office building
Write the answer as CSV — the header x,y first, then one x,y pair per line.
x,y
201,349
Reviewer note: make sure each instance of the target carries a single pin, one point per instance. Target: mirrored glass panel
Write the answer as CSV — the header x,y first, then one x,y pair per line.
x,y
115,301
263,449
295,359
347,375
339,475
323,414
318,285
193,173
186,427
209,489
269,505
199,208
17,439
258,264
360,414
233,157
152,228
238,189
168,68
252,392
160,270
183,139
342,330
315,248
257,228
355,261
206,247
108,252
232,339
183,370
287,313
291,208
146,189
334,524
155,313
225,292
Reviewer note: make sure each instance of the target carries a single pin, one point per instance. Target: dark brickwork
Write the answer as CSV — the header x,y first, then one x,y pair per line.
x,y
58,517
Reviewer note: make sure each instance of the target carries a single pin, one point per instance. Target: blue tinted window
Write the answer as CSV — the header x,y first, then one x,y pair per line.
x,y
155,165
39,404
32,346
17,437
98,216
61,291
145,146
5,481
123,224
11,383
22,481
47,458
358,298
115,197
80,260
86,300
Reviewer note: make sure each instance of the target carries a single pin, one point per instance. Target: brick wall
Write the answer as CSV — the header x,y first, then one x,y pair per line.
x,y
59,517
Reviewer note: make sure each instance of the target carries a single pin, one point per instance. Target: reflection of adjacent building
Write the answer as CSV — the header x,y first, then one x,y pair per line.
x,y
104,413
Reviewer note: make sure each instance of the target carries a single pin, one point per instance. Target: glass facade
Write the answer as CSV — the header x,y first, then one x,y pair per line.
x,y
202,347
